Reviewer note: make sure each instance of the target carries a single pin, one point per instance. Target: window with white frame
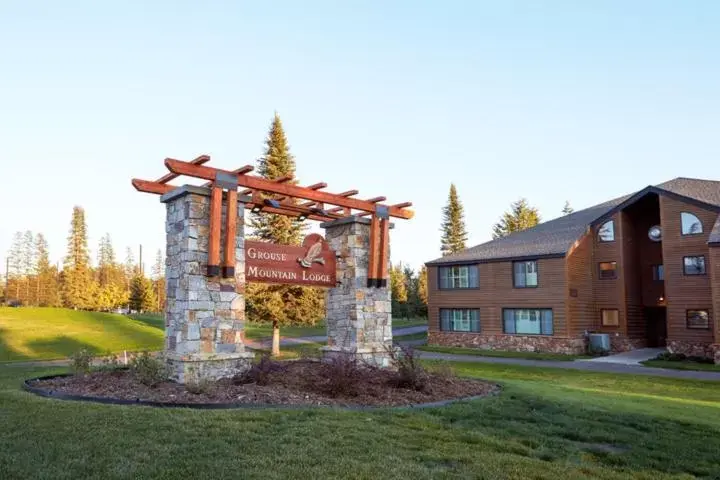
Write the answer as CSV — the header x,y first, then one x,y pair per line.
x,y
459,320
694,265
528,321
459,276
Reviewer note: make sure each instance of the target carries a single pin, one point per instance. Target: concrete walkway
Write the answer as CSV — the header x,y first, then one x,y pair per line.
x,y
633,357
577,365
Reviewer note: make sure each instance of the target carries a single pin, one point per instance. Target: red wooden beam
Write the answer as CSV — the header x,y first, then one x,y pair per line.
x,y
257,183
228,270
213,266
374,256
240,171
171,176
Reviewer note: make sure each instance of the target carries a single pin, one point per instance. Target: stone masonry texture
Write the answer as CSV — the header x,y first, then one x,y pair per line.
x,y
204,317
359,320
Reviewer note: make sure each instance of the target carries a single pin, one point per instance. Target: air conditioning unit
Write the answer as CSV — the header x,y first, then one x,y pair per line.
x,y
599,342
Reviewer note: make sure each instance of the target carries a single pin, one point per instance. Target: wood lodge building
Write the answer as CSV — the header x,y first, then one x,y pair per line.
x,y
644,268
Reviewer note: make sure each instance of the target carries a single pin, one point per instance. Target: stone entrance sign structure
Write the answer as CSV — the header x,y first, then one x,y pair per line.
x,y
208,263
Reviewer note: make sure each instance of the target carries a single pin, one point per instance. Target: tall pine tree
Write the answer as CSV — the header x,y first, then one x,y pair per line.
x,y
567,209
280,304
422,290
398,291
454,234
48,294
520,217
277,162
78,288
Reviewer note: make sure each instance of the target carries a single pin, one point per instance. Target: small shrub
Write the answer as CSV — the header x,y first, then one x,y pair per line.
x,y
681,357
260,371
410,373
342,375
110,363
197,386
81,361
149,370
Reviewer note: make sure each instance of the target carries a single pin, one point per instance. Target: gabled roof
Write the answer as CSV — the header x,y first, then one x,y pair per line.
x,y
555,237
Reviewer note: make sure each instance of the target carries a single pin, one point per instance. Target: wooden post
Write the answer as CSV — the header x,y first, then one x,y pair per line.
x,y
374,251
213,266
384,253
228,270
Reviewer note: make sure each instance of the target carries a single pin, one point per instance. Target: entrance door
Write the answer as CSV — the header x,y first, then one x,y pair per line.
x,y
656,326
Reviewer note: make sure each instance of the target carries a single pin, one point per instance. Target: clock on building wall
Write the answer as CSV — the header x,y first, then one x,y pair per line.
x,y
655,233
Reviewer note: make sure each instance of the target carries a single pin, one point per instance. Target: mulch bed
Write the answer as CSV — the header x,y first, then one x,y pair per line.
x,y
297,383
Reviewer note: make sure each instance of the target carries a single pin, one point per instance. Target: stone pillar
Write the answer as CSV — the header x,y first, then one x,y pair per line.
x,y
204,317
359,321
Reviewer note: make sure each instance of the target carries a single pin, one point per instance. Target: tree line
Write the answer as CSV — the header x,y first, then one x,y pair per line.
x,y
519,217
31,280
408,291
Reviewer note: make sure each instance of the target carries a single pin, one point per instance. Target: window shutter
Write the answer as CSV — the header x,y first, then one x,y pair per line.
x,y
474,321
547,322
474,281
509,321
445,319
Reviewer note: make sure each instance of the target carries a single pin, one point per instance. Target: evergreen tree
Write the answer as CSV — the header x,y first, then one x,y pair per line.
x,y
142,297
520,217
422,290
78,287
15,268
454,234
106,260
28,269
280,304
567,209
277,162
47,282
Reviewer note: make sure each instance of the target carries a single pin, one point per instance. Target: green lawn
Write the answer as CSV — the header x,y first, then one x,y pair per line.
x,y
258,330
412,336
500,353
546,424
409,322
48,333
681,365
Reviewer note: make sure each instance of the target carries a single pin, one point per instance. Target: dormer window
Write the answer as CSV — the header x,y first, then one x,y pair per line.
x,y
691,225
606,232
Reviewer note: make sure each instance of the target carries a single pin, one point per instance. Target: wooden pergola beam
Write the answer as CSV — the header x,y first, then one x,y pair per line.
x,y
397,205
262,184
172,176
240,171
147,186
284,179
349,193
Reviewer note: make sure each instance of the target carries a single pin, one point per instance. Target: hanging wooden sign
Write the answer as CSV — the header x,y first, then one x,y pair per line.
x,y
311,264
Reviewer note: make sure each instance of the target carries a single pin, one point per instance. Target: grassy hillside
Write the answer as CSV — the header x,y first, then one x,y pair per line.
x,y
47,333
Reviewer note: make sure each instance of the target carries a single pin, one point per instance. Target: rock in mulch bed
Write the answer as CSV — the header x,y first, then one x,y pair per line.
x,y
303,382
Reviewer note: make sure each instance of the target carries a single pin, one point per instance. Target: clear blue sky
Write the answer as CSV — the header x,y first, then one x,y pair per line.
x,y
553,101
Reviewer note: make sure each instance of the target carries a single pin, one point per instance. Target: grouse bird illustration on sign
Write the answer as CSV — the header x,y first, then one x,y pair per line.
x,y
313,255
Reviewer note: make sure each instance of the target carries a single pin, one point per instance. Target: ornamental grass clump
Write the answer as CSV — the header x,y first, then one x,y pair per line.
x,y
81,361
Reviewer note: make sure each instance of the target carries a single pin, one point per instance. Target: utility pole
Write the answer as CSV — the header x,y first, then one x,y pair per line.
x,y
142,270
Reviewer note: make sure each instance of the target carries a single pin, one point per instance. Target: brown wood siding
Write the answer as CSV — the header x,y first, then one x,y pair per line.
x,y
609,294
684,292
631,277
715,281
496,292
581,313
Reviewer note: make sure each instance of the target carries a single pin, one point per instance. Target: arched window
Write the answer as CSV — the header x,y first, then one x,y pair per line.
x,y
691,225
606,232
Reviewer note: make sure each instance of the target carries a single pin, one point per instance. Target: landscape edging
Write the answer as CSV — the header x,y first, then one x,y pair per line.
x,y
228,406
